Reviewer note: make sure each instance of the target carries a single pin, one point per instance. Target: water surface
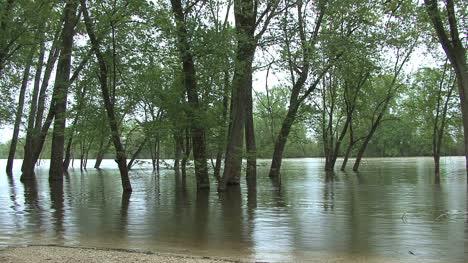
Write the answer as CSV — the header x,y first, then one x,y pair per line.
x,y
390,210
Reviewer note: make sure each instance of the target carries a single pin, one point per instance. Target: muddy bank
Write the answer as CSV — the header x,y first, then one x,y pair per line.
x,y
59,254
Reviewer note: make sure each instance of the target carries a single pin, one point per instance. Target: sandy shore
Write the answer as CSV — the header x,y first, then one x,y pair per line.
x,y
61,254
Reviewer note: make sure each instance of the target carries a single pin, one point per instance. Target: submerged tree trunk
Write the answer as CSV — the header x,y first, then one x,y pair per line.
x,y
136,153
158,151
456,53
222,132
59,95
251,173
439,123
351,144
19,114
241,84
367,139
177,152
154,151
186,153
35,119
195,113
68,149
120,152
102,151
281,140
297,86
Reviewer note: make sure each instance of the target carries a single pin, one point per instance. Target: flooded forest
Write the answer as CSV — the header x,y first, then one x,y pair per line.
x,y
282,130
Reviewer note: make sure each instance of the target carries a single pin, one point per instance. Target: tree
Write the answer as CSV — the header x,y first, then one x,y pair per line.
x,y
322,32
248,19
111,116
454,49
433,101
59,96
195,112
19,112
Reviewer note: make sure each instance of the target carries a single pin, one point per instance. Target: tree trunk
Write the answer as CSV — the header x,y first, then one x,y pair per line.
x,y
363,147
245,19
186,155
136,153
59,95
462,81
436,168
251,172
68,150
33,106
242,79
120,152
102,151
158,143
456,53
177,152
195,112
19,114
34,133
346,156
222,133
281,142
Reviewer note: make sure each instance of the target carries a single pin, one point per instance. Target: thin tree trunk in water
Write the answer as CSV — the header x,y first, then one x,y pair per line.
x,y
436,168
135,154
88,147
251,173
68,150
158,143
36,134
154,154
81,155
59,95
222,135
456,53
281,142
120,152
338,143
33,107
363,147
346,156
295,100
187,150
101,152
177,152
195,112
19,114
438,131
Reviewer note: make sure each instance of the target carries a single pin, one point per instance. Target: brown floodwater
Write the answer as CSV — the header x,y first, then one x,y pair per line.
x,y
390,210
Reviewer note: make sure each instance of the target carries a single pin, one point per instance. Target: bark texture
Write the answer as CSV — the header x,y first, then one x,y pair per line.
x,y
19,114
59,95
195,113
245,17
121,159
455,52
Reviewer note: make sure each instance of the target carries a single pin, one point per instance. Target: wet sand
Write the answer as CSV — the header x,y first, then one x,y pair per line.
x,y
60,254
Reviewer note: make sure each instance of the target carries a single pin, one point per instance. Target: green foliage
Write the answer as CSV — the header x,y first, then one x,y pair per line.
x,y
364,41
